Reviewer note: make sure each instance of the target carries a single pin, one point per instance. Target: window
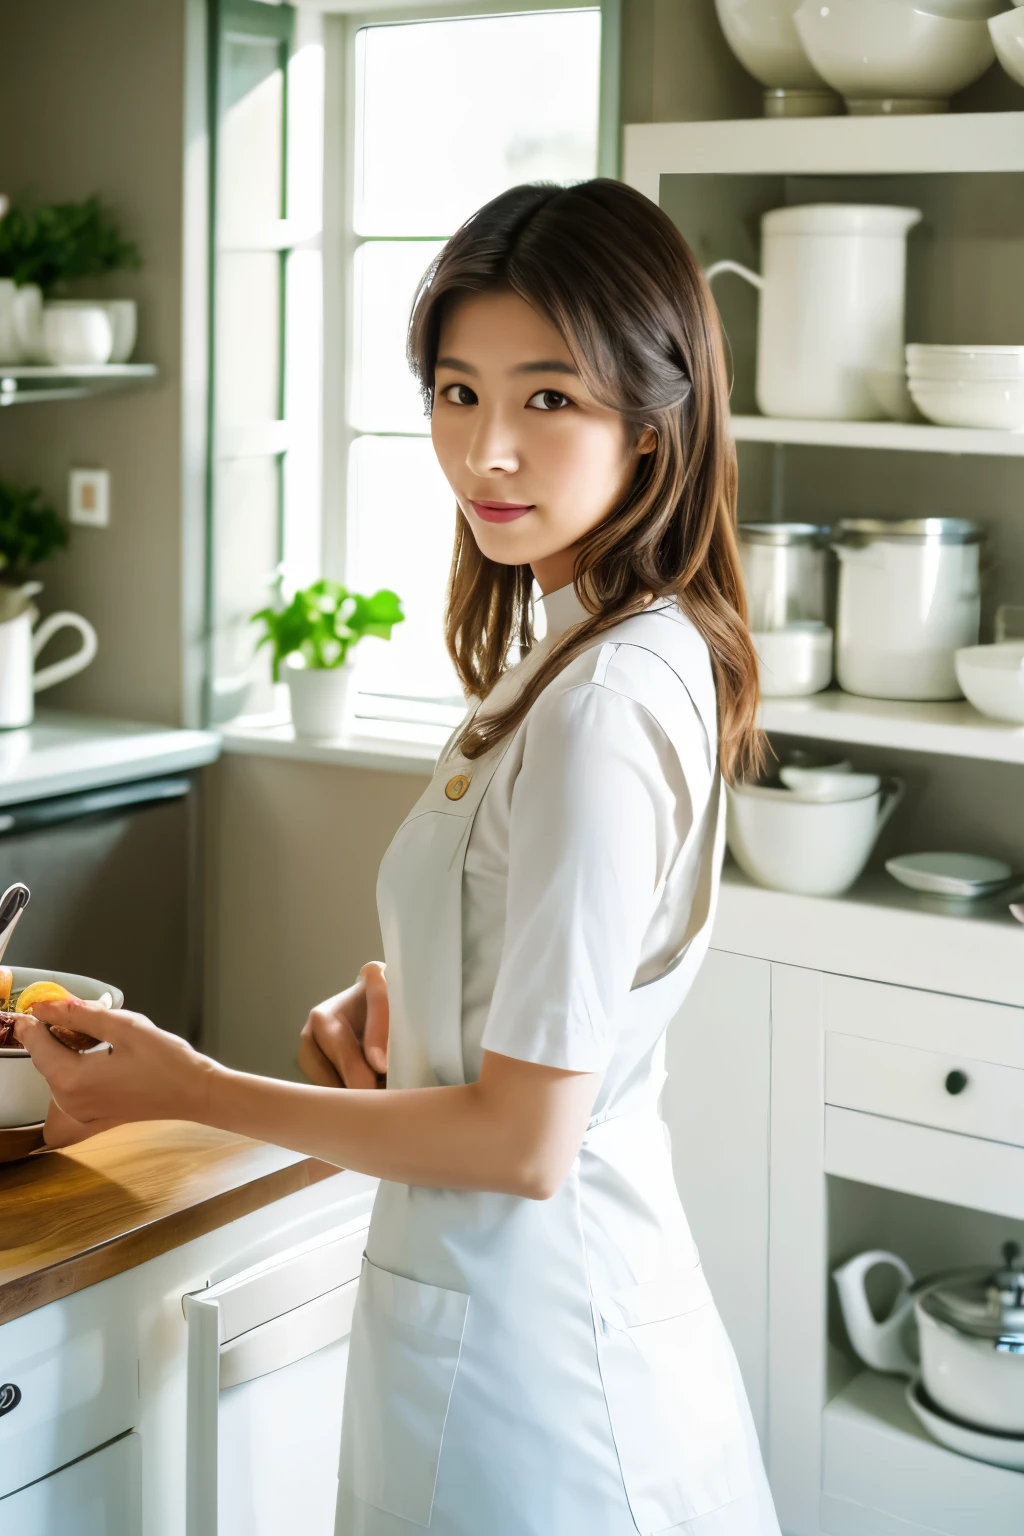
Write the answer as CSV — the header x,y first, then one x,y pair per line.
x,y
347,149
443,114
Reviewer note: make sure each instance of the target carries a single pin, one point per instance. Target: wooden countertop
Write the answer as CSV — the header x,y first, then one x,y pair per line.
x,y
71,1218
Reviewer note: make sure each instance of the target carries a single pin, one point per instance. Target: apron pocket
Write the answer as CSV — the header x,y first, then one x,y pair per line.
x,y
666,1367
406,1341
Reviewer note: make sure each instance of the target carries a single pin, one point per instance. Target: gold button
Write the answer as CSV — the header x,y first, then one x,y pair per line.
x,y
456,788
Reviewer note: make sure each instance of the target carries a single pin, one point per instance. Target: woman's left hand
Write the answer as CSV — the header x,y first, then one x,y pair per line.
x,y
147,1074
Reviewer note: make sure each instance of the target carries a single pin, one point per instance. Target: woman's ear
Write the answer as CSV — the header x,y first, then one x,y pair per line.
x,y
648,440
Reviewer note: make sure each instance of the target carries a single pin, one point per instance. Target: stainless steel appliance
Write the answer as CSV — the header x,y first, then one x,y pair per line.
x,y
114,876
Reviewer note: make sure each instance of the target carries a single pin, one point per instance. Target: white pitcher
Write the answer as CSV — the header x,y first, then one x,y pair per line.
x,y
19,647
830,328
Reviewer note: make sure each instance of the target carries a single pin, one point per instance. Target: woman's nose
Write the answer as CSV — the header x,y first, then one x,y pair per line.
x,y
492,446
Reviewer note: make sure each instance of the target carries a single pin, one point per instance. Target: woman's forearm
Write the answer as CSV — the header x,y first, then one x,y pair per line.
x,y
463,1137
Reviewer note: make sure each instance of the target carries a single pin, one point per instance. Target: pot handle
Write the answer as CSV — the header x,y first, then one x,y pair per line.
x,y
71,664
879,1344
734,266
892,794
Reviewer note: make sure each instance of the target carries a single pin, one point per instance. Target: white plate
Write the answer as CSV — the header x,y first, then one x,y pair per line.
x,y
982,1445
950,874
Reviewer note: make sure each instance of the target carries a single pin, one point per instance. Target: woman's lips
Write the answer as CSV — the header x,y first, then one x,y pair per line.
x,y
500,511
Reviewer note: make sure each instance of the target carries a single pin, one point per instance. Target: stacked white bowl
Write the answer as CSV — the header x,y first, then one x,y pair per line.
x,y
968,386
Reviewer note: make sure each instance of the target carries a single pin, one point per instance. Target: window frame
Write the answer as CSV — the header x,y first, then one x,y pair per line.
x,y
340,240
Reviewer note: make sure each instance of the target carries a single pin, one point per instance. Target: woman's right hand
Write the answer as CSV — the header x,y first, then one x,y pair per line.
x,y
344,1042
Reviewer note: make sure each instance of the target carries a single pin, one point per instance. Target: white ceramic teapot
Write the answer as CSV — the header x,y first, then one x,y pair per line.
x,y
20,680
970,1335
830,329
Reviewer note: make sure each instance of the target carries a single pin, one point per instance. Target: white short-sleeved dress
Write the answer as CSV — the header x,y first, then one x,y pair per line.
x,y
557,1367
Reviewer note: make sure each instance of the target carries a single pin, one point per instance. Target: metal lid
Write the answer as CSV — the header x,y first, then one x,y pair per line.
x,y
911,530
982,1303
784,533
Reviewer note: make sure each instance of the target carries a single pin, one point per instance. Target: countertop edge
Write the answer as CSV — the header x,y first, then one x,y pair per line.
x,y
27,1293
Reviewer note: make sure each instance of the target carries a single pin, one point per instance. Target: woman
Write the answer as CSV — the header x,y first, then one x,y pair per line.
x,y
535,1350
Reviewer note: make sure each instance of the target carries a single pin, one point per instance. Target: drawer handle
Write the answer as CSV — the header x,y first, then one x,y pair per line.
x,y
956,1082
10,1397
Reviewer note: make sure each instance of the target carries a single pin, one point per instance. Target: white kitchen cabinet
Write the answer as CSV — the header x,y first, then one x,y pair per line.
x,y
716,1105
100,1495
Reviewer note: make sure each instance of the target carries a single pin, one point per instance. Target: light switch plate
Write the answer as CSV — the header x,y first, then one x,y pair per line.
x,y
89,497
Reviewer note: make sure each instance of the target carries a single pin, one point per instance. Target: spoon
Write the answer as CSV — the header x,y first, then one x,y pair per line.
x,y
12,904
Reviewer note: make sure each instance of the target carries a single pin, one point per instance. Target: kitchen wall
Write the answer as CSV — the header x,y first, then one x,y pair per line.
x,y
94,101
293,854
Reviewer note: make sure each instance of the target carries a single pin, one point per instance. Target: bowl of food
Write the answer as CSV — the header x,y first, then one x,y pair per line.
x,y
24,1093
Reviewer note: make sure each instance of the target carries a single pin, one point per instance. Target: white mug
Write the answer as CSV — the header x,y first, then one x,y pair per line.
x,y
77,335
123,316
19,647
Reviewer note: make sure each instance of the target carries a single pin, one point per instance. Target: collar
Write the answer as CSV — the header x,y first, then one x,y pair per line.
x,y
562,609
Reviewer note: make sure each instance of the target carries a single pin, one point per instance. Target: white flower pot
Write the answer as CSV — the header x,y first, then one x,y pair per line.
x,y
321,699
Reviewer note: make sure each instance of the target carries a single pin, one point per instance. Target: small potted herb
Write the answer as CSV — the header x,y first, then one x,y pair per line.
x,y
313,638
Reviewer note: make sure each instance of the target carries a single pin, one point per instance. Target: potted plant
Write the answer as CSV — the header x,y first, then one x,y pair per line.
x,y
313,637
43,248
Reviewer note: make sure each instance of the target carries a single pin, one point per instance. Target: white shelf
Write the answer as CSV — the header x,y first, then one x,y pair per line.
x,y
954,730
36,382
906,437
881,1469
878,931
823,146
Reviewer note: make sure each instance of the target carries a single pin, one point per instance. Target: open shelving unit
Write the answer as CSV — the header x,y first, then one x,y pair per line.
x,y
906,437
21,384
952,730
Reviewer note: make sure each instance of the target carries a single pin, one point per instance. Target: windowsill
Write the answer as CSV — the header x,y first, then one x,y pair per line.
x,y
394,746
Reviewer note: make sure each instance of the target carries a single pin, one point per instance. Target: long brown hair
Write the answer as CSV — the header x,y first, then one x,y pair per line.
x,y
614,276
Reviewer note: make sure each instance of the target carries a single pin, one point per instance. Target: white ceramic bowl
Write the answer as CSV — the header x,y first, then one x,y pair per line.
x,y
986,403
1002,364
24,1095
762,36
808,846
77,335
1007,33
992,677
794,661
890,55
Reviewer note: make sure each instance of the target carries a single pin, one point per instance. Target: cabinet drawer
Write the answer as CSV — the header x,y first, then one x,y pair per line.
x,y
100,1495
71,1374
950,1092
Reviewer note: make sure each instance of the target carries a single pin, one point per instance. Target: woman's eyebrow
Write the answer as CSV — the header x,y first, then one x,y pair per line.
x,y
542,365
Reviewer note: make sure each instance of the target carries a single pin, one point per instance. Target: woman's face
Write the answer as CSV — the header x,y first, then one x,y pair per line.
x,y
535,462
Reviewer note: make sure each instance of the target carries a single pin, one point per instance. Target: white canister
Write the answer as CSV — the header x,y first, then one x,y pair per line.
x,y
909,597
19,647
833,289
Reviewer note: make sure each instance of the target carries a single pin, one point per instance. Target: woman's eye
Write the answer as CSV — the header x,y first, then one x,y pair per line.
x,y
549,400
459,394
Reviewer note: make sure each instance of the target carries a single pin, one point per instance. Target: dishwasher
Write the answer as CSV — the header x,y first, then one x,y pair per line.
x,y
114,876
267,1356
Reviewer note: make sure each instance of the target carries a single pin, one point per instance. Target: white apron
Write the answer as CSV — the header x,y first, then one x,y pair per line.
x,y
557,1367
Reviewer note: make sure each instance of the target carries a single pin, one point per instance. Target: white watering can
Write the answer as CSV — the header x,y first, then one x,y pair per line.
x,y
20,645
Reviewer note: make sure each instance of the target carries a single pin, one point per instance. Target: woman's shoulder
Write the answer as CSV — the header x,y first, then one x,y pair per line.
x,y
659,662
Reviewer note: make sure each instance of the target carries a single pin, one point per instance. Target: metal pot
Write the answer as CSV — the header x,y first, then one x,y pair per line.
x,y
909,598
785,573
970,1335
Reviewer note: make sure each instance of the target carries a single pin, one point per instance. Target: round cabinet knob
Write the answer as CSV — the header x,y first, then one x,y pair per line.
x,y
956,1082
10,1397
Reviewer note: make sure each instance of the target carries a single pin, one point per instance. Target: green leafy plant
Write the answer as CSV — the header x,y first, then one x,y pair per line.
x,y
30,531
323,622
54,243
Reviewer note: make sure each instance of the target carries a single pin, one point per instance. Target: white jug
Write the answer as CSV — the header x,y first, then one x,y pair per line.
x,y
19,647
830,329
